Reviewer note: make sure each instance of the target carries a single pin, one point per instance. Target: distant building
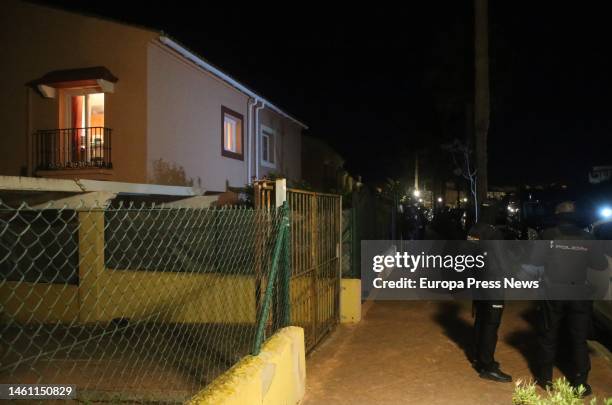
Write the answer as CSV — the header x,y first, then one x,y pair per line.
x,y
89,98
500,192
453,195
600,174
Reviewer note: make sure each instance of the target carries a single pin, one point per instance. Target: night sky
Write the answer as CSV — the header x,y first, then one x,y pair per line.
x,y
382,82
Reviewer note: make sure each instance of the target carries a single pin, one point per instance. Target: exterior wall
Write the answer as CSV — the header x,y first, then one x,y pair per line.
x,y
37,40
321,165
276,376
288,146
184,121
350,300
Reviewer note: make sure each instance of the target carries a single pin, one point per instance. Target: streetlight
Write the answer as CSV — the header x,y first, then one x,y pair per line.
x,y
416,193
465,199
439,199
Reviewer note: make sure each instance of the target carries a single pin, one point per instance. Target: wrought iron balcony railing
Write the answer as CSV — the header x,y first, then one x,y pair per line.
x,y
73,148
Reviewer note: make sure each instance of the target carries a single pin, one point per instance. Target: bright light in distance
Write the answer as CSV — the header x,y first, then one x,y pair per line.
x,y
440,199
512,210
606,212
420,200
464,199
417,193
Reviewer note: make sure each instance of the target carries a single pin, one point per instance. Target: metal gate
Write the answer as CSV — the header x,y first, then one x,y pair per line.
x,y
316,229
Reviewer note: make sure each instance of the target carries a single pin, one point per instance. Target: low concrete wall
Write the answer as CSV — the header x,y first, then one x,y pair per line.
x,y
38,302
138,295
277,375
134,294
350,300
175,297
104,294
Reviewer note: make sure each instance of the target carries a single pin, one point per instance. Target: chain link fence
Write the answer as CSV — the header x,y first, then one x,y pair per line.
x,y
368,217
138,303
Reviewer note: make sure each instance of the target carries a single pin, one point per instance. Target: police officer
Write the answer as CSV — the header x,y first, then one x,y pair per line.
x,y
407,222
489,307
565,262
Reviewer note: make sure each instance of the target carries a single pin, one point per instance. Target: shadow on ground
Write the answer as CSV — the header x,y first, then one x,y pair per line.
x,y
454,327
526,340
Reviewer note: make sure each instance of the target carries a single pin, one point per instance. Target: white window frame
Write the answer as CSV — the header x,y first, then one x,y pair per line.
x,y
268,132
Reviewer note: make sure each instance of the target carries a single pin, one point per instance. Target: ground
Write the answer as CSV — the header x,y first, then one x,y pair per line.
x,y
415,353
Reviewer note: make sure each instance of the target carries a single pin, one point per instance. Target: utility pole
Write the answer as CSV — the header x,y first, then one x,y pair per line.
x,y
481,95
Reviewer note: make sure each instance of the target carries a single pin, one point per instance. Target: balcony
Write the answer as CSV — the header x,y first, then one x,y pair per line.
x,y
73,148
63,152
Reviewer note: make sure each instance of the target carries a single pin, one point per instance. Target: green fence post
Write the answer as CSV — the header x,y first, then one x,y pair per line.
x,y
265,308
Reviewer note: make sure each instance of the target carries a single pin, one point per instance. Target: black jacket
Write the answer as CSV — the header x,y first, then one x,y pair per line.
x,y
568,255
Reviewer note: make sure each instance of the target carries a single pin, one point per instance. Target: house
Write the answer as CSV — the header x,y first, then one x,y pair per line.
x,y
89,98
323,167
600,174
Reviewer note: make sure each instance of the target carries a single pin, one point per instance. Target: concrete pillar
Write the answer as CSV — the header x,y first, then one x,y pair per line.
x,y
91,263
280,189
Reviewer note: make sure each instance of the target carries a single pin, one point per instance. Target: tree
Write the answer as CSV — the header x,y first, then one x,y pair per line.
x,y
481,94
462,159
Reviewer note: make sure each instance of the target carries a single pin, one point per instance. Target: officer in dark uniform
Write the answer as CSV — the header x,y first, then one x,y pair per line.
x,y
565,262
488,310
408,223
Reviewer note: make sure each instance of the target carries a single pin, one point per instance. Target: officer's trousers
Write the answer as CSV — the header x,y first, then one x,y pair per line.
x,y
577,315
486,323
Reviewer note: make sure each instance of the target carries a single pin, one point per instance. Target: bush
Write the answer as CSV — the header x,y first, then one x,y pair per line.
x,y
561,393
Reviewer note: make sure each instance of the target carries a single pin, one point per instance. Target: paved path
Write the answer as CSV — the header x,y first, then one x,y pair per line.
x,y
413,353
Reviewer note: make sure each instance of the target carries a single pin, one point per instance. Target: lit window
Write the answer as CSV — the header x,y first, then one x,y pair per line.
x,y
82,122
268,147
231,133
83,110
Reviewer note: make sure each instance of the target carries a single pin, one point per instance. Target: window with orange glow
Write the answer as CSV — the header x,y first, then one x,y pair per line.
x,y
82,116
231,134
83,110
95,110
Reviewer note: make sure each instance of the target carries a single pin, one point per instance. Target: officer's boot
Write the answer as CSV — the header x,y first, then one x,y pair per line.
x,y
493,373
544,377
580,380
